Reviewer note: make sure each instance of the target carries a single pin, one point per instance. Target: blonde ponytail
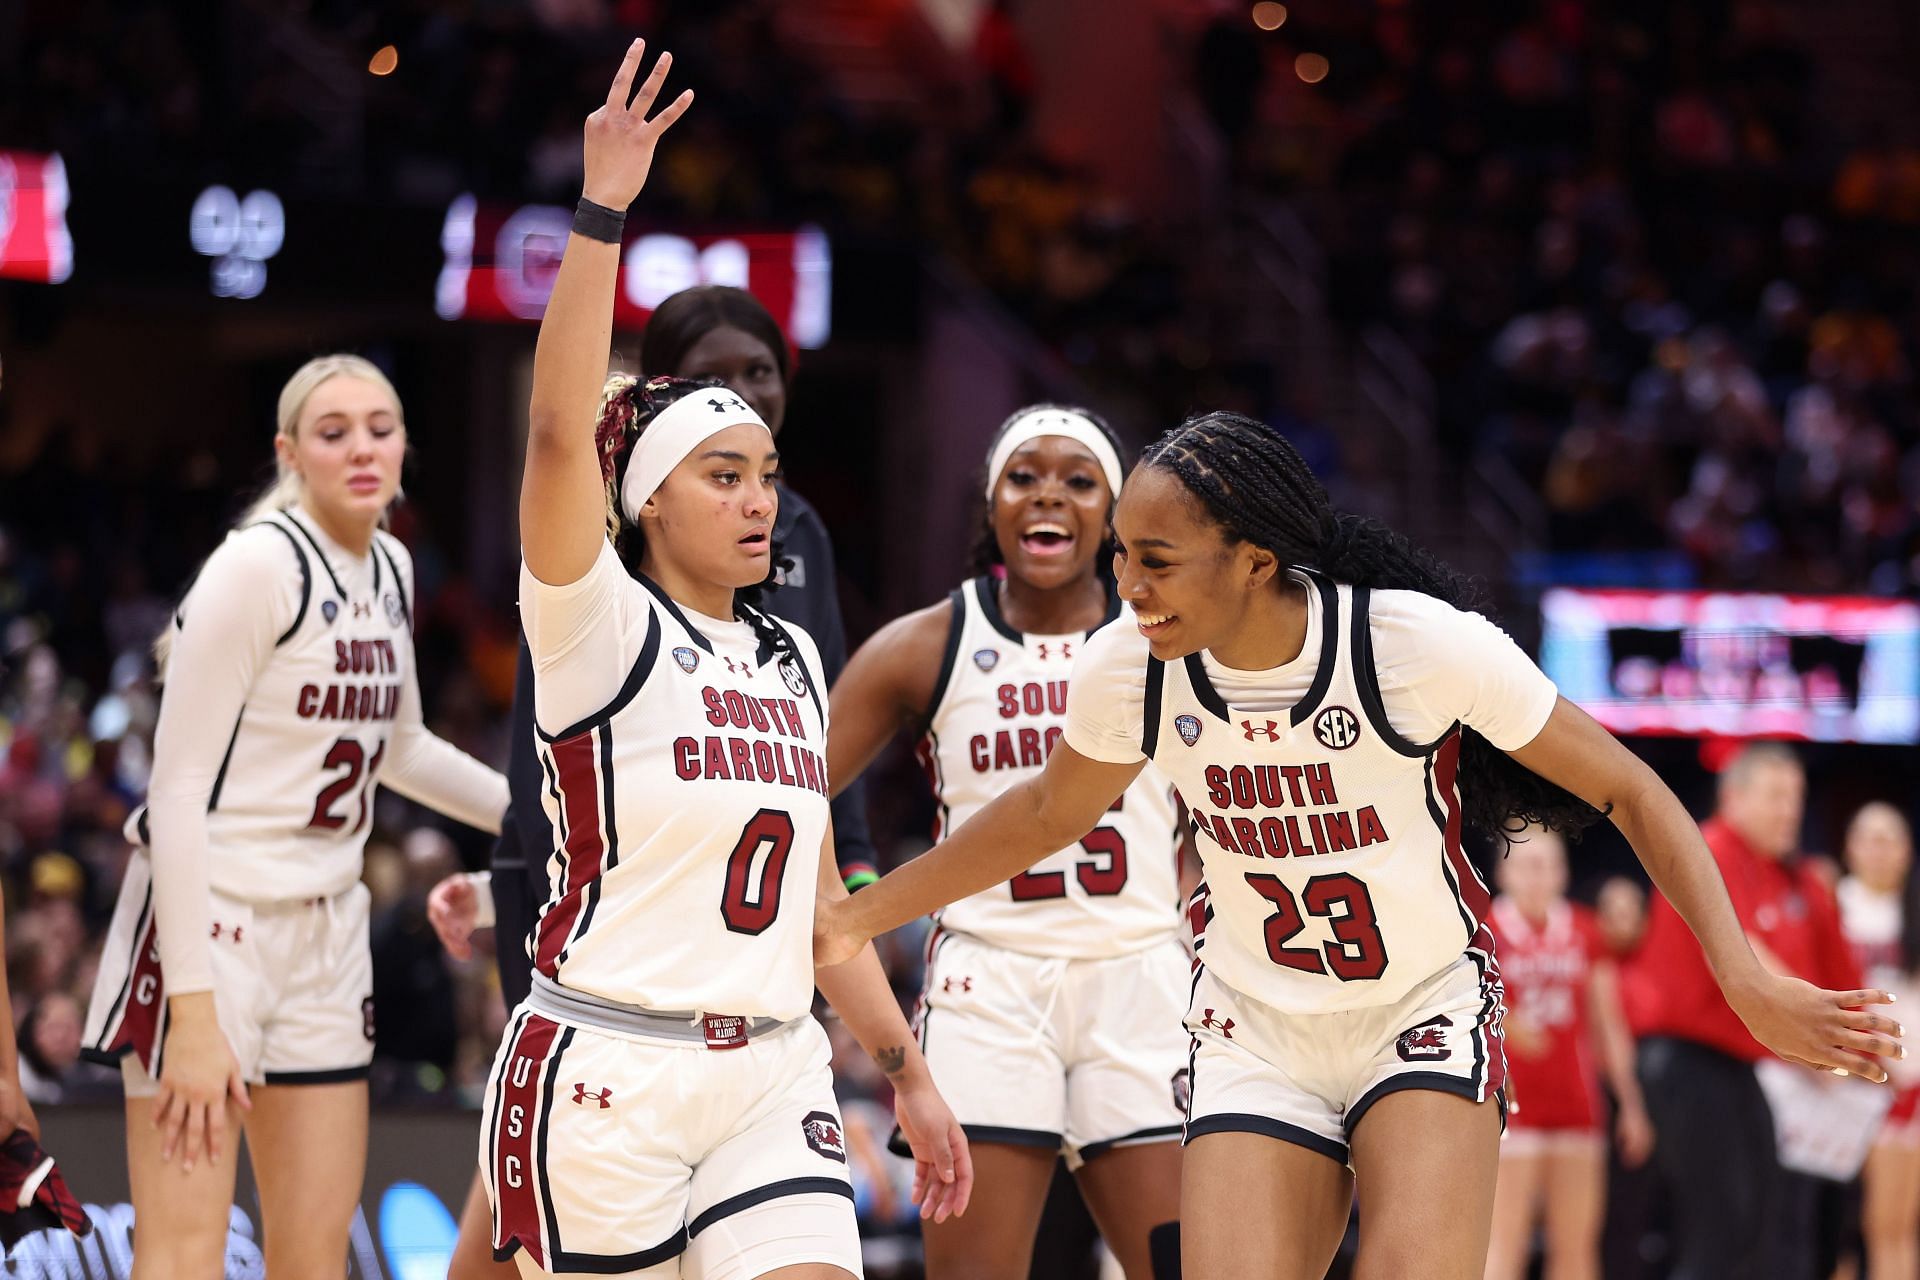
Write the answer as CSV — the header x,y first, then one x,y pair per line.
x,y
287,486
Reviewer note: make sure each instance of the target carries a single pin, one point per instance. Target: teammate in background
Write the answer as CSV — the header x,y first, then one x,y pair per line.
x,y
1333,719
1878,913
1052,1003
711,331
1563,1001
236,983
665,1061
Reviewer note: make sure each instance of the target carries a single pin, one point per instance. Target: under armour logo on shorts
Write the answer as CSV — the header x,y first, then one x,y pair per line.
x,y
966,984
581,1096
1211,1023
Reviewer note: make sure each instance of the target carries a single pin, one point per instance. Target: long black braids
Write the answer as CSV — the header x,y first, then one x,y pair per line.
x,y
627,406
985,555
1259,489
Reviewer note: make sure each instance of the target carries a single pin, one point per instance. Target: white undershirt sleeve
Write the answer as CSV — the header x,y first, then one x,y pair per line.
x,y
584,637
243,601
1106,698
1438,665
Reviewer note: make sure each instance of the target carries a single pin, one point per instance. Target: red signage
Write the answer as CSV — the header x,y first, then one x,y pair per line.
x,y
34,243
500,264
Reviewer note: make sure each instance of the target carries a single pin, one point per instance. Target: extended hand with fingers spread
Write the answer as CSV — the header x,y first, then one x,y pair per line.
x,y
620,139
1831,1030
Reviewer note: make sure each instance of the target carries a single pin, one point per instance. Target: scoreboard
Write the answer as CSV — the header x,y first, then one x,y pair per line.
x,y
471,260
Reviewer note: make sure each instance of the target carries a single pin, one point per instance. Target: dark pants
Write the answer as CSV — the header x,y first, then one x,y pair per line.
x,y
1716,1162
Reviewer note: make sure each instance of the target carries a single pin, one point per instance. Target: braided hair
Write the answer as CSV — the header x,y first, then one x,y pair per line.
x,y
1258,489
985,554
627,405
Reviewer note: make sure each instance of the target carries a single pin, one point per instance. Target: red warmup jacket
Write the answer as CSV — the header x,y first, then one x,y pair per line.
x,y
1670,991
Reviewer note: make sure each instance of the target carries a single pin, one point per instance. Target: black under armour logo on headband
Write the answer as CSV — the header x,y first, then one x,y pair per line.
x,y
723,403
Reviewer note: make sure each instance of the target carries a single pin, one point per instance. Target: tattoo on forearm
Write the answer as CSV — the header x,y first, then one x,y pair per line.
x,y
892,1060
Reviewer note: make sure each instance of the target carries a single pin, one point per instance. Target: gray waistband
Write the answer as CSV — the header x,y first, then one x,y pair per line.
x,y
551,1000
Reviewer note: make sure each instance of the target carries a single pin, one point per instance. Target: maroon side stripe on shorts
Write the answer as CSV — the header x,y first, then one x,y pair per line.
x,y
516,1119
146,996
584,853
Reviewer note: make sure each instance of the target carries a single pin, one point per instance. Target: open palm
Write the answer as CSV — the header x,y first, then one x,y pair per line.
x,y
620,139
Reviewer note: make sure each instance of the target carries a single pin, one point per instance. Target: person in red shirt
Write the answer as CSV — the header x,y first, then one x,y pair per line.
x,y
1563,1003
1734,1213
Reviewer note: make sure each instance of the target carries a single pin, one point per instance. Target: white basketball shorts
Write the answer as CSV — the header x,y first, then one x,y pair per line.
x,y
1310,1078
1079,1056
611,1154
292,987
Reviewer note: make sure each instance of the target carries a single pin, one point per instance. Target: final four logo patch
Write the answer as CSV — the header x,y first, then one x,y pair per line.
x,y
986,659
687,659
329,609
1188,727
796,678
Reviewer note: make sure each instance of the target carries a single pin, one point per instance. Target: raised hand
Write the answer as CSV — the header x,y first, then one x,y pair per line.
x,y
620,139
1825,1029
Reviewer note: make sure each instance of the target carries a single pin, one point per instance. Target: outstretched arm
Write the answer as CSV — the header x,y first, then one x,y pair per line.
x,y
562,511
1023,825
858,992
1795,1019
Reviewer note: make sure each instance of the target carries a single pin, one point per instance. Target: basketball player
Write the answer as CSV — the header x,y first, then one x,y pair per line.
x,y
1876,901
1051,1008
237,977
710,331
665,1061
1563,999
1333,720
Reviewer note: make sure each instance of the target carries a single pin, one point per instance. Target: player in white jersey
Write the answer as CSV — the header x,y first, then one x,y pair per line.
x,y
1051,1006
1334,727
662,1103
1878,913
237,976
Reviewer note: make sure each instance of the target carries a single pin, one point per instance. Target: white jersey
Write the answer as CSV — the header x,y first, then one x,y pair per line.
x,y
689,813
999,706
292,802
1335,876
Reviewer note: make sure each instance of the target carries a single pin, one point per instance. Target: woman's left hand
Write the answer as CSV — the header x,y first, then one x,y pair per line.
x,y
1827,1029
942,1164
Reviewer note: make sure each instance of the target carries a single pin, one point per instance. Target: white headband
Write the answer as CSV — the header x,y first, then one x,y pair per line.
x,y
673,434
1055,422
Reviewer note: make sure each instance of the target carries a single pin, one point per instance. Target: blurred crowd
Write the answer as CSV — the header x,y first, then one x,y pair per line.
x,y
1642,261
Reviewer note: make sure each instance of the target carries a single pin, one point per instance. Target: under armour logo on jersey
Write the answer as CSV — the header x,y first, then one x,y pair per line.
x,y
582,1096
1426,1042
1065,647
1271,729
723,403
1211,1023
966,984
237,933
1336,728
737,668
362,610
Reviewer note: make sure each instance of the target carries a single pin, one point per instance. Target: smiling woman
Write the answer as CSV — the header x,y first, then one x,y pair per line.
x,y
1308,684
1081,952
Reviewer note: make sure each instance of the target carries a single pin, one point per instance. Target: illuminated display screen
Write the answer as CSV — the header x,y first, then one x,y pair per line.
x,y
500,261
34,241
1697,663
